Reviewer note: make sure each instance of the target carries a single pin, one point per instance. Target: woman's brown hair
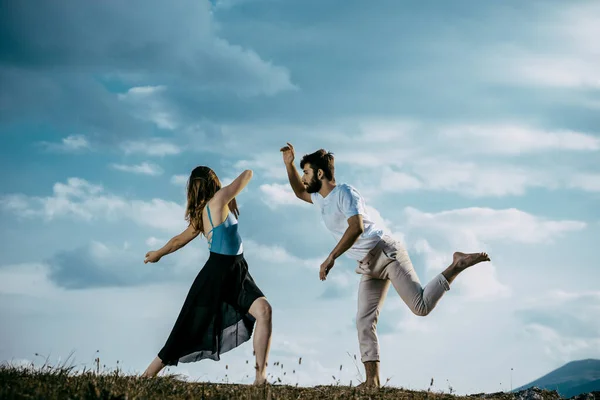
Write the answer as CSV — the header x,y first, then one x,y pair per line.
x,y
202,186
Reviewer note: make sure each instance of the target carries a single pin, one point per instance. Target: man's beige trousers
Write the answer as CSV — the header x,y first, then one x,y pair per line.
x,y
389,262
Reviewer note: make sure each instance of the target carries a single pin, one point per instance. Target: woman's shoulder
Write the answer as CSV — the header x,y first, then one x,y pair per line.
x,y
217,205
216,200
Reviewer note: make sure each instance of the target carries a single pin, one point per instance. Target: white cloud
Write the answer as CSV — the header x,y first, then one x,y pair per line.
x,y
148,104
274,79
436,236
69,144
100,264
585,181
21,278
297,347
179,180
479,179
83,200
564,334
557,71
17,203
189,56
487,224
581,22
69,310
279,194
468,179
480,283
463,165
516,139
564,299
372,143
279,255
270,165
376,217
143,91
569,63
144,168
228,4
157,213
228,181
377,132
75,142
561,348
370,159
152,147
472,179
155,242
341,278
369,132
76,187
395,181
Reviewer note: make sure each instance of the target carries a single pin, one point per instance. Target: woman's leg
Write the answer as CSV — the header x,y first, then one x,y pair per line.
x,y
154,368
261,311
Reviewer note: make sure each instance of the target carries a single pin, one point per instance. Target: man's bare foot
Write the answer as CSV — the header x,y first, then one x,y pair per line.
x,y
462,261
368,385
372,375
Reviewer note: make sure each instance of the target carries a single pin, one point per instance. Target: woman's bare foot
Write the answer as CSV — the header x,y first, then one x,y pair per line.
x,y
260,381
154,368
462,261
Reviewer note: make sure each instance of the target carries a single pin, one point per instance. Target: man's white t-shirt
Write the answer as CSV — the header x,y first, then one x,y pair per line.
x,y
341,203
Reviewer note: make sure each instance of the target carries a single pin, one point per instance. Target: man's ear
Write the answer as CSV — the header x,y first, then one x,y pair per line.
x,y
320,173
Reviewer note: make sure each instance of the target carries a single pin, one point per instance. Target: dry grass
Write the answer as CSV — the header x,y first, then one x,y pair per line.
x,y
63,382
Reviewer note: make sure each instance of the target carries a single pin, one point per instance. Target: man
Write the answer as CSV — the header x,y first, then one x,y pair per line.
x,y
381,260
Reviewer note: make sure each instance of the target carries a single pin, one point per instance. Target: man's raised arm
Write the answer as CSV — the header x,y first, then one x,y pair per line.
x,y
293,175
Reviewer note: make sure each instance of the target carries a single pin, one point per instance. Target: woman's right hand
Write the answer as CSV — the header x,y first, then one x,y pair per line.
x,y
233,207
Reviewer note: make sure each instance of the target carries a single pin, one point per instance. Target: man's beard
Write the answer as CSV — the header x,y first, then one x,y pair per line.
x,y
314,186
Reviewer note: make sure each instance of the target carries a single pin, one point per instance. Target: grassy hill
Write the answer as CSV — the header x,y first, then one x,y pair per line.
x,y
61,383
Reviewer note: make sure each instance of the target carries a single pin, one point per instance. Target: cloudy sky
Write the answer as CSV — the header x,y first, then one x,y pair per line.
x,y
467,126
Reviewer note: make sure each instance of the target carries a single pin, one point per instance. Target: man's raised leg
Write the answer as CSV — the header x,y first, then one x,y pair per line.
x,y
422,300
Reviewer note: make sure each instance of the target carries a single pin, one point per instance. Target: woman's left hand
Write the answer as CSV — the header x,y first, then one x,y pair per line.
x,y
152,257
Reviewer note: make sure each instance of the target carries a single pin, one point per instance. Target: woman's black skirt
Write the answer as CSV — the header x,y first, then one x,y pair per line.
x,y
214,317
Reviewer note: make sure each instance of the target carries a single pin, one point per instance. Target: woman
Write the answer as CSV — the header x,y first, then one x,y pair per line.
x,y
223,303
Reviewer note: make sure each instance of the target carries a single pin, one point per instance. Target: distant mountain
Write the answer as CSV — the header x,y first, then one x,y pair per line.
x,y
571,379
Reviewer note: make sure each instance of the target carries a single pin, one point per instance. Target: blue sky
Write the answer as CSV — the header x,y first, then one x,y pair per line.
x,y
467,126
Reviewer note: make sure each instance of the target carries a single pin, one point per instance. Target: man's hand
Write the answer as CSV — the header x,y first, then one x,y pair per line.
x,y
326,267
152,257
233,207
288,153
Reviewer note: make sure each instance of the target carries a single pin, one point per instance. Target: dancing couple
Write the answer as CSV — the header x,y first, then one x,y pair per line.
x,y
224,304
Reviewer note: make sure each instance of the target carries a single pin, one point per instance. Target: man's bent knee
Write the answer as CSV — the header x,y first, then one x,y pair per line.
x,y
421,310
